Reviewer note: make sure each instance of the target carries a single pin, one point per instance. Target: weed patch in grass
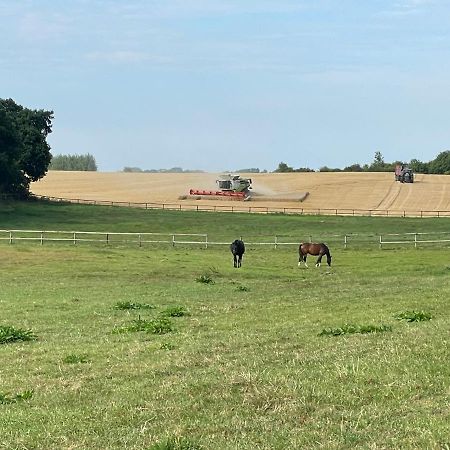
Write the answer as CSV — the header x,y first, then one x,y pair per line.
x,y
413,316
10,334
6,399
167,346
175,311
132,305
355,329
176,444
205,279
75,359
161,325
241,288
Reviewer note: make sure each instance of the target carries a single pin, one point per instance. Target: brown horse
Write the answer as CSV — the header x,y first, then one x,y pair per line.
x,y
314,249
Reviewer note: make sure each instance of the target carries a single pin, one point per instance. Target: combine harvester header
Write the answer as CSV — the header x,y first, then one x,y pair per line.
x,y
230,186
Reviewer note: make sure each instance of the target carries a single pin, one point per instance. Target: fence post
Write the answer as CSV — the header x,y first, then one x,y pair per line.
x,y
345,241
10,237
74,237
381,241
42,237
415,240
173,240
140,240
107,238
276,242
310,238
206,241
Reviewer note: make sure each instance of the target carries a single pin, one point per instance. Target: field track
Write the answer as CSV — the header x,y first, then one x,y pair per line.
x,y
368,191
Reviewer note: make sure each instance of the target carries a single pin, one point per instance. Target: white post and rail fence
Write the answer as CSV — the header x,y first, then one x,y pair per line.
x,y
201,239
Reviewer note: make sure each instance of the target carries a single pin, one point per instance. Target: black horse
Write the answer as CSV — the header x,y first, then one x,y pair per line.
x,y
315,250
237,247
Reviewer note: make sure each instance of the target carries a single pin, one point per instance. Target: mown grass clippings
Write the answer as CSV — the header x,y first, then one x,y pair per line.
x,y
6,399
175,311
414,316
76,359
176,444
205,279
10,334
161,325
355,329
133,305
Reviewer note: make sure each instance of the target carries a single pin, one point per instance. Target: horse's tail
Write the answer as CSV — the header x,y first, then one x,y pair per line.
x,y
327,253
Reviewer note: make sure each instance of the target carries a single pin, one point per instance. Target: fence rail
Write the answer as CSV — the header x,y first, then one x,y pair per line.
x,y
235,207
414,238
201,239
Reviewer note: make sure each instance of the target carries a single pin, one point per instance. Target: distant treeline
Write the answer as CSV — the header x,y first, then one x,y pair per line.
x,y
172,170
439,165
73,162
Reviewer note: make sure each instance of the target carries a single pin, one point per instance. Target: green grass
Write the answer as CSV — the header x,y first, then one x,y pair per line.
x,y
246,369
39,215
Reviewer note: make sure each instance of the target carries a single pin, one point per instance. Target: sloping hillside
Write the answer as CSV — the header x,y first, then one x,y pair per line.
x,y
374,191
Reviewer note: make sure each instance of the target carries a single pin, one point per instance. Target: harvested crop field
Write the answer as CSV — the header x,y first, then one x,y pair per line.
x,y
331,190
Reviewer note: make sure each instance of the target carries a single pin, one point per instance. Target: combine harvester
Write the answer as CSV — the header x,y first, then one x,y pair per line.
x,y
230,186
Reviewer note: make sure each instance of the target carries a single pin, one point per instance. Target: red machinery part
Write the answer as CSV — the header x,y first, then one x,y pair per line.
x,y
217,193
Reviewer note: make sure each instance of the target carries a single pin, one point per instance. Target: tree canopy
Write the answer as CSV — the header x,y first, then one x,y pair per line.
x,y
439,165
24,151
83,163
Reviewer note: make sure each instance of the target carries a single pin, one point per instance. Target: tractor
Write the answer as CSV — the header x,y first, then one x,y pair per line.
x,y
403,174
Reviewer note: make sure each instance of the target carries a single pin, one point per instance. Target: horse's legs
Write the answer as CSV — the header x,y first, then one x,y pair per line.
x,y
239,260
302,259
234,261
319,260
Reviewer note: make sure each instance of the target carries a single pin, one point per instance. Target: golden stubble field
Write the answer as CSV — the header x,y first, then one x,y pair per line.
x,y
374,191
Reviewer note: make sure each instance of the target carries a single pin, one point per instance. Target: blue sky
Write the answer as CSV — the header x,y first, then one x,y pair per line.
x,y
228,84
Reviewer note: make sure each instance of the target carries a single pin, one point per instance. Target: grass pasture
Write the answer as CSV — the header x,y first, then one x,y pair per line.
x,y
244,365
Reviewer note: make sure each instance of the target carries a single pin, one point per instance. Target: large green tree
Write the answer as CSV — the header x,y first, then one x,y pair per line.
x,y
24,151
441,164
